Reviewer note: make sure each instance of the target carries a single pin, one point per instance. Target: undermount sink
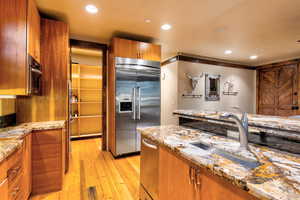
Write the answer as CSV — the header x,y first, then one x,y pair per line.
x,y
243,161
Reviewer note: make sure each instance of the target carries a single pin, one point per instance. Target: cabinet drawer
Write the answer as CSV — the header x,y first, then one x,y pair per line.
x,y
15,166
47,137
15,188
46,151
46,165
47,182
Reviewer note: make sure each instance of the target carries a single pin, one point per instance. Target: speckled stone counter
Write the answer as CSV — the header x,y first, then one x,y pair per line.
x,y
11,138
277,178
273,125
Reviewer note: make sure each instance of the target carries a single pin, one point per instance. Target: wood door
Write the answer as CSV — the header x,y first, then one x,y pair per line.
x,y
278,91
125,48
13,70
267,92
27,166
174,178
148,51
215,188
287,90
33,30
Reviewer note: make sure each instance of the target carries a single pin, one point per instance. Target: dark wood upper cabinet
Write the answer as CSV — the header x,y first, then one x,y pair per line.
x,y
20,36
134,49
278,90
33,31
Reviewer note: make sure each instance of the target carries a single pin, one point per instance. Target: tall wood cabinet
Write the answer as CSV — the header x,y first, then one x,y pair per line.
x,y
20,36
278,90
126,49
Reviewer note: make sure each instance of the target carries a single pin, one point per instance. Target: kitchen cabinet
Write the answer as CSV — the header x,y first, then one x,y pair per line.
x,y
175,178
19,170
27,166
135,49
179,179
278,90
33,30
20,36
48,160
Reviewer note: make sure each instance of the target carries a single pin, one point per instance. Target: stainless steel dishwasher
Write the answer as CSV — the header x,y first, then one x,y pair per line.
x,y
149,169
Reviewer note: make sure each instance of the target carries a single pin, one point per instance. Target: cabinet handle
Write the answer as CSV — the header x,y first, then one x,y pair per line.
x,y
198,179
192,175
3,182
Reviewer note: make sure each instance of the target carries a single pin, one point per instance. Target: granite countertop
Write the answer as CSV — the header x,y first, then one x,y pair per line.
x,y
11,138
277,178
280,126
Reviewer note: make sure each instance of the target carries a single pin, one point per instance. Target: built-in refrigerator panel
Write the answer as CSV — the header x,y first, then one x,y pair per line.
x,y
148,106
137,101
125,110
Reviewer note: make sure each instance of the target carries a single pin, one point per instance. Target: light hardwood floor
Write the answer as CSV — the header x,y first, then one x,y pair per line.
x,y
93,171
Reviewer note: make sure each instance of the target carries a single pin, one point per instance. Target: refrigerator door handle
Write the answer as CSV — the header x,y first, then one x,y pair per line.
x,y
139,103
133,103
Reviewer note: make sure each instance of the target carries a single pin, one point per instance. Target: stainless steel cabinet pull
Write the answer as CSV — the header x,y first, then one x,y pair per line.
x,y
139,103
133,103
152,146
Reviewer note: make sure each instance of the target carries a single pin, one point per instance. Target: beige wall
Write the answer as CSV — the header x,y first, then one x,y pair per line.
x,y
244,81
177,83
169,92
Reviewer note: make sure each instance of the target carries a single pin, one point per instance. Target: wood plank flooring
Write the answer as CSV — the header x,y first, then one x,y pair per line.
x,y
96,175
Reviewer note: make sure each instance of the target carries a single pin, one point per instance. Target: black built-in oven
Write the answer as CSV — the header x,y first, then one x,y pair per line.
x,y
35,77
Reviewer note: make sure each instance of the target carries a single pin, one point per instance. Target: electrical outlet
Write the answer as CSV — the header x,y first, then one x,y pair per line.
x,y
233,134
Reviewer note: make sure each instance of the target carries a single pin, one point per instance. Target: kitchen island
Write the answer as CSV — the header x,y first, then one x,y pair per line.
x,y
210,175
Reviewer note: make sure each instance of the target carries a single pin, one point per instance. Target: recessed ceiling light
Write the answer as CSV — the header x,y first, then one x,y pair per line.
x,y
253,57
227,52
91,9
147,20
166,27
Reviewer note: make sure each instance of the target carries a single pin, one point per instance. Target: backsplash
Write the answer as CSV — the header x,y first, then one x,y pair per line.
x,y
7,112
283,144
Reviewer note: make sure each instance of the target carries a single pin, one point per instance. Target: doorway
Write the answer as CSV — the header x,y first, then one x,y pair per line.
x,y
88,90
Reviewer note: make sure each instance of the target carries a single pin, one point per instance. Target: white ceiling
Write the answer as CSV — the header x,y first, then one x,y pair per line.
x,y
268,28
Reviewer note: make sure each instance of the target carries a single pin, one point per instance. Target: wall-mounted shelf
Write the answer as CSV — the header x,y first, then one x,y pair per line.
x,y
192,95
230,93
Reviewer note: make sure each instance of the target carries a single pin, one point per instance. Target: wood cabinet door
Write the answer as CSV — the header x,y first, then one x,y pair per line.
x,y
278,91
287,90
13,69
174,178
33,30
148,51
27,166
125,48
267,92
215,188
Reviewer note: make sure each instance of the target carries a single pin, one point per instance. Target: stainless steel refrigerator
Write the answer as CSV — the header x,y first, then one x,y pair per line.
x,y
137,101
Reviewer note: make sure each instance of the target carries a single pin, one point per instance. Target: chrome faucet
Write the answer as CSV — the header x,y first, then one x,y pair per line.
x,y
242,126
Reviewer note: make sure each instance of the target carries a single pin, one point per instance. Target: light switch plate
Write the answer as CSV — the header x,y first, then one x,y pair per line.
x,y
233,134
